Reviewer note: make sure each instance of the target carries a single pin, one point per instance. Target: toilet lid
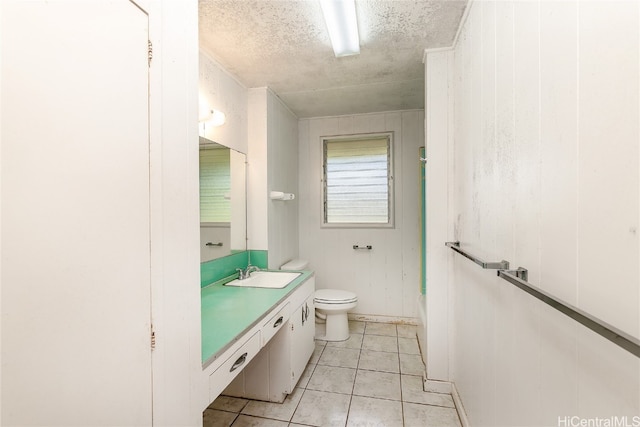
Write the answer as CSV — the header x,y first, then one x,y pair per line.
x,y
329,296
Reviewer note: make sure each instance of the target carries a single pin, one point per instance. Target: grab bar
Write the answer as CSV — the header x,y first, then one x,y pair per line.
x,y
520,278
613,334
502,265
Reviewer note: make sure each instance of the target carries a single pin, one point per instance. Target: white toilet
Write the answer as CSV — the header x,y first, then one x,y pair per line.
x,y
331,306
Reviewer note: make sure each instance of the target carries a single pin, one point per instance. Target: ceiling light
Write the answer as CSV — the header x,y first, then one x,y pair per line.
x,y
213,117
217,118
340,16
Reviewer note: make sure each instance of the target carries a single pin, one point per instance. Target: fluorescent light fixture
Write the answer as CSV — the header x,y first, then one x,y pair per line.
x,y
340,16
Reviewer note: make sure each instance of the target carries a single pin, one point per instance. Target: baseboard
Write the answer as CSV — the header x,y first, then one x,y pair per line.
x,y
459,406
383,319
447,387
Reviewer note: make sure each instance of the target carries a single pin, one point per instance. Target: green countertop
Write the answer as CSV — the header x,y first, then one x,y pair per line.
x,y
229,311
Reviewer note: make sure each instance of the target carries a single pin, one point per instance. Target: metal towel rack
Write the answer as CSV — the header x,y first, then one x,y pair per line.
x,y
519,279
502,265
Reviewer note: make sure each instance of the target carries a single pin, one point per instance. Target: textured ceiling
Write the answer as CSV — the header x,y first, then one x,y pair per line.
x,y
284,44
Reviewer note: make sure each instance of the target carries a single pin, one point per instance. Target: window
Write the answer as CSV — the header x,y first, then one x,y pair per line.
x,y
215,185
357,182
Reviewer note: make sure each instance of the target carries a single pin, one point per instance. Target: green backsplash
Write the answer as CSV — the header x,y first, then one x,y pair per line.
x,y
259,258
217,269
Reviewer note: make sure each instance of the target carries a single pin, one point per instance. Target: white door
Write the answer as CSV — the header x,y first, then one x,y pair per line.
x,y
302,339
74,170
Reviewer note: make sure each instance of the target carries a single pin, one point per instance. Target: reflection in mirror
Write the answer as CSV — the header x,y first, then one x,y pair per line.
x,y
222,201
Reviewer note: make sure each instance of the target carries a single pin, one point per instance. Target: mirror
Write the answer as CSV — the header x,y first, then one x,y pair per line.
x,y
223,229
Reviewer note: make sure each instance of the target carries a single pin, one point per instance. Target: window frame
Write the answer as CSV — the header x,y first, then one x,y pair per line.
x,y
390,181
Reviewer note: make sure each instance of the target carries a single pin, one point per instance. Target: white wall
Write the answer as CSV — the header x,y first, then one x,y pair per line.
x,y
439,229
386,279
272,166
282,128
257,162
223,92
545,171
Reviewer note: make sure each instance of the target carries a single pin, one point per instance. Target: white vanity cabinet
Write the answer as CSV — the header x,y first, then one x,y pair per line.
x,y
276,369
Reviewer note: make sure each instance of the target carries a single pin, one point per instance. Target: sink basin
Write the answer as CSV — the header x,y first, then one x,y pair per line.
x,y
266,279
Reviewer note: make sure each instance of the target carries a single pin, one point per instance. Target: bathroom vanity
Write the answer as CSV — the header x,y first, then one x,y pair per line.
x,y
256,342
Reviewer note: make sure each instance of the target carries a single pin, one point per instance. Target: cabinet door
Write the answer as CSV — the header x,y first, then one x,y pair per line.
x,y
76,343
302,339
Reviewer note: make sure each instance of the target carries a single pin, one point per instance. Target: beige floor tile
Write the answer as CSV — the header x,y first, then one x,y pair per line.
x,y
354,341
368,411
380,343
306,375
379,361
216,418
248,421
318,408
412,391
411,364
317,352
342,357
228,403
426,415
332,379
373,328
407,331
278,411
383,385
408,345
356,327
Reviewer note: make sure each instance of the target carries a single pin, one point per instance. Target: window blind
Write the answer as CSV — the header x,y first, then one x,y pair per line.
x,y
215,185
357,181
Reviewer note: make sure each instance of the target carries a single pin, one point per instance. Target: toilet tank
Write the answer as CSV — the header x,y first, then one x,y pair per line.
x,y
295,265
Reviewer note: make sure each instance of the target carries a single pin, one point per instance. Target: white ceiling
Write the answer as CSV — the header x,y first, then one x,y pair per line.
x,y
284,44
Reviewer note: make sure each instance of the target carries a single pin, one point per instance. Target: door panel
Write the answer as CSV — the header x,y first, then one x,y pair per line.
x,y
302,340
75,214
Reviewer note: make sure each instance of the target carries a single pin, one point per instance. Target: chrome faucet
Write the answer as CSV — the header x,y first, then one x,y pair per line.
x,y
246,273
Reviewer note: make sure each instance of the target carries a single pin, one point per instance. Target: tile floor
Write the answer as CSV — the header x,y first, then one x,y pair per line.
x,y
371,379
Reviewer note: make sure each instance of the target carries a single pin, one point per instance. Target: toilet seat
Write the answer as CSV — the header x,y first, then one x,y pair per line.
x,y
334,296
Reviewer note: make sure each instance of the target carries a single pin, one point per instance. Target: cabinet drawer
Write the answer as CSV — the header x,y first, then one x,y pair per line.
x,y
222,376
274,324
